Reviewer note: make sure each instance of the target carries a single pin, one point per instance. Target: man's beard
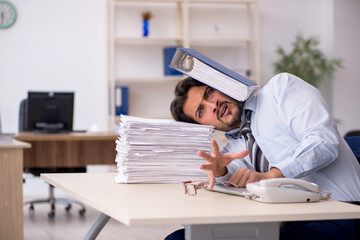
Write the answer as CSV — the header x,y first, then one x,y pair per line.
x,y
236,120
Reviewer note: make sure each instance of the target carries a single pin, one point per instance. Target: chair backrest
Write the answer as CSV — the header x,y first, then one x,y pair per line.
x,y
353,133
354,143
23,115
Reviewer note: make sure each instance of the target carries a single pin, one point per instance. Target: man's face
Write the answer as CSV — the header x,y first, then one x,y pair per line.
x,y
208,106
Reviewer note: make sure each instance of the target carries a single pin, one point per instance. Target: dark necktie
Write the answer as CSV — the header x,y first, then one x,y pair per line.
x,y
258,159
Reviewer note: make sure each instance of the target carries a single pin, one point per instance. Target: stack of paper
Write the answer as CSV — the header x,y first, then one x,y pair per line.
x,y
160,150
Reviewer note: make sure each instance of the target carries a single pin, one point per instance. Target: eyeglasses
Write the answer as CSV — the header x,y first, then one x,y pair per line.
x,y
192,186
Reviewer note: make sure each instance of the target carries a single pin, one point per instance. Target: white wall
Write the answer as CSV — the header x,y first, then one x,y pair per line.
x,y
347,85
335,23
281,20
55,45
61,45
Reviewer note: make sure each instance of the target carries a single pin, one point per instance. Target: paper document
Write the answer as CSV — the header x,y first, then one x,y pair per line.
x,y
160,150
229,190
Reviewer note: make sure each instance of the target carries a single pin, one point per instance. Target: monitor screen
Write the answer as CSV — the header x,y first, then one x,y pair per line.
x,y
50,112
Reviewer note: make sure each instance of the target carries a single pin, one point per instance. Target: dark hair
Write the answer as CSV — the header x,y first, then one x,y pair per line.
x,y
181,94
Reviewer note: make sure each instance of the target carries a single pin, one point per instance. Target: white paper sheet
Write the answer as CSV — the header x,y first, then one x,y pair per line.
x,y
160,150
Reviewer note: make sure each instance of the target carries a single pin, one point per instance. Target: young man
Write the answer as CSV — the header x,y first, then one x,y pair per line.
x,y
295,137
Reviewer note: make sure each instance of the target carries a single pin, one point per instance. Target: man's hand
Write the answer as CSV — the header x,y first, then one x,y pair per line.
x,y
243,176
217,162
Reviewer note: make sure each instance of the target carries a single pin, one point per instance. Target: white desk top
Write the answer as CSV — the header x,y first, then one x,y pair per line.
x,y
163,204
7,143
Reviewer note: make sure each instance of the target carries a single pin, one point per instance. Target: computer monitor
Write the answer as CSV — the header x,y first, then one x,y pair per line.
x,y
50,112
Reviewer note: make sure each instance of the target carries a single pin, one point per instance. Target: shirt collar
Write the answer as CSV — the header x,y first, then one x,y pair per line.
x,y
250,104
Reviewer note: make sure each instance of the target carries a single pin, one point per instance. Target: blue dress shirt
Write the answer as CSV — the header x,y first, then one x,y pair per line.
x,y
294,129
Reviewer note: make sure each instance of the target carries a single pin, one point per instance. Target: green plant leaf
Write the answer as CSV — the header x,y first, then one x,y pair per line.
x,y
306,61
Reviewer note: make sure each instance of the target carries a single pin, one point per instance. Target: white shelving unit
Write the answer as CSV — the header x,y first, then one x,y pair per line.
x,y
226,31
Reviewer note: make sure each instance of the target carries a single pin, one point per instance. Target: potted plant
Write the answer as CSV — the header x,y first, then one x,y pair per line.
x,y
307,61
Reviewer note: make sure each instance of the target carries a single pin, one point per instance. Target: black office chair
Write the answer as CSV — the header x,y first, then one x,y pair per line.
x,y
37,171
353,133
354,144
353,139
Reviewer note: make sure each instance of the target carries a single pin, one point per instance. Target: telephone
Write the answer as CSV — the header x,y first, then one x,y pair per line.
x,y
282,190
277,190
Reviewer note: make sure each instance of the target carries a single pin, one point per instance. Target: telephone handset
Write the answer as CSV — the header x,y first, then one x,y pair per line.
x,y
278,182
281,190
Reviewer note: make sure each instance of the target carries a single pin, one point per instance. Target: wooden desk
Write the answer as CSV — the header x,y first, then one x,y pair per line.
x,y
11,191
68,149
205,215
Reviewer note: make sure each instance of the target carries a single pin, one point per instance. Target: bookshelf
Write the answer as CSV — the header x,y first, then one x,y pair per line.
x,y
226,31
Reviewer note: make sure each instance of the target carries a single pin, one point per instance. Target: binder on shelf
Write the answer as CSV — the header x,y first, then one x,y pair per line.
x,y
121,100
168,56
213,74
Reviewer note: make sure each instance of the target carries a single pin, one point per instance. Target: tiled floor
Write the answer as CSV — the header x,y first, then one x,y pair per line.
x,y
70,225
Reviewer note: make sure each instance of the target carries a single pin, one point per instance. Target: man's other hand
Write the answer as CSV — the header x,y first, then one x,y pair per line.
x,y
243,176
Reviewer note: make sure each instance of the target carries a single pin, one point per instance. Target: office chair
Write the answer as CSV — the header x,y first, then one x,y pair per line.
x,y
353,133
354,144
353,139
37,171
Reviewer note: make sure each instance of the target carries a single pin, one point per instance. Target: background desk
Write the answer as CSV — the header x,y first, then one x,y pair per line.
x,y
68,149
11,191
166,204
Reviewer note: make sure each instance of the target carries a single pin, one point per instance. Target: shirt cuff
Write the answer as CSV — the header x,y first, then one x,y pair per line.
x,y
226,177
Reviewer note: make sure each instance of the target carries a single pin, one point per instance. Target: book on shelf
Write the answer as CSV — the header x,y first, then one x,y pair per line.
x,y
160,150
121,100
206,70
